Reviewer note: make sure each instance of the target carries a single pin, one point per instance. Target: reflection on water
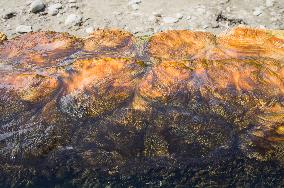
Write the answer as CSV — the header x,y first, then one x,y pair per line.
x,y
207,110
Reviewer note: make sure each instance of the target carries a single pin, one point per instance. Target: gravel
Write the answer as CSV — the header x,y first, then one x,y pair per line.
x,y
141,17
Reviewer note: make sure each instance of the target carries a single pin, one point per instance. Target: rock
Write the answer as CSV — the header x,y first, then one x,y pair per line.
x,y
53,12
54,9
9,14
188,17
24,29
257,11
170,20
90,30
135,6
73,20
72,1
56,6
179,16
131,2
37,6
269,3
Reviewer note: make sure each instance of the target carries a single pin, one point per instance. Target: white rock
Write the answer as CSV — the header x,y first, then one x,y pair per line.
x,y
54,9
257,11
89,30
53,12
73,19
37,6
24,29
55,6
179,16
269,3
188,17
72,1
169,20
131,2
135,6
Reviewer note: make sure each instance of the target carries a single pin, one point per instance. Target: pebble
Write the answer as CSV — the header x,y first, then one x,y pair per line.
x,y
169,20
37,6
179,16
24,29
73,20
56,6
72,1
257,11
135,6
54,9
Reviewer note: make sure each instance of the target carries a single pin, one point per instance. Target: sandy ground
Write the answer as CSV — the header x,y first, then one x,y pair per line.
x,y
145,17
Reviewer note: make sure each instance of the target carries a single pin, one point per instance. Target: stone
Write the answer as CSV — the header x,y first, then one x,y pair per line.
x,y
37,6
73,20
170,20
56,6
54,9
72,1
179,16
9,14
257,11
135,6
24,29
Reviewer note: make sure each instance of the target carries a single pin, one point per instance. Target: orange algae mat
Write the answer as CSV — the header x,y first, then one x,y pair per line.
x,y
129,106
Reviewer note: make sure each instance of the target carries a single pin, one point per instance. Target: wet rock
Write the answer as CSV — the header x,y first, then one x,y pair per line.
x,y
37,6
73,20
24,29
